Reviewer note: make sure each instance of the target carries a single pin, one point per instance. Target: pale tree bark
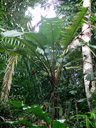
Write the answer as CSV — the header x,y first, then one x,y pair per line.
x,y
86,53
6,86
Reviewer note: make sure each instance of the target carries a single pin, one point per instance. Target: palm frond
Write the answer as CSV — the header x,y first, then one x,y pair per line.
x,y
8,78
69,33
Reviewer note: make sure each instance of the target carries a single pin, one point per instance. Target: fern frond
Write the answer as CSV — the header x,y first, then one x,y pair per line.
x,y
69,33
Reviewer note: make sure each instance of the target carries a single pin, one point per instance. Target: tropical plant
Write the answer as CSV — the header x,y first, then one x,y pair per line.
x,y
36,112
90,119
44,47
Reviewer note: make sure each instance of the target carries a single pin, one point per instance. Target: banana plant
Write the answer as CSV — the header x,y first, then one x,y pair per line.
x,y
49,46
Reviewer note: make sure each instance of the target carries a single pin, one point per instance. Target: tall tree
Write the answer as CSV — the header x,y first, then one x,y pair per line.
x,y
86,53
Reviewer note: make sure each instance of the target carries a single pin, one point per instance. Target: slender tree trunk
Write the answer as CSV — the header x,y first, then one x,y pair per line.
x,y
56,102
87,60
55,97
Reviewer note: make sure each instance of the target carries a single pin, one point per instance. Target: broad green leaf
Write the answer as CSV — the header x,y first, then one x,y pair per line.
x,y
16,104
93,20
58,124
87,122
29,44
39,113
35,109
51,28
21,51
92,115
37,38
20,122
92,46
31,50
81,115
12,33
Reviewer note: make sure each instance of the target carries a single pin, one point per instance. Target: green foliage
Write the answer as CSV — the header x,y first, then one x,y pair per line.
x,y
20,122
16,104
35,109
13,14
36,38
70,32
67,10
49,37
90,119
51,28
58,124
38,113
90,77
40,50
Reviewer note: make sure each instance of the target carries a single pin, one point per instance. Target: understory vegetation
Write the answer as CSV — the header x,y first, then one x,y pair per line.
x,y
48,78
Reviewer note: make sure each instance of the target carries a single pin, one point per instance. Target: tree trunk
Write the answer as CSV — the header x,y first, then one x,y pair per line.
x,y
56,102
54,96
87,60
